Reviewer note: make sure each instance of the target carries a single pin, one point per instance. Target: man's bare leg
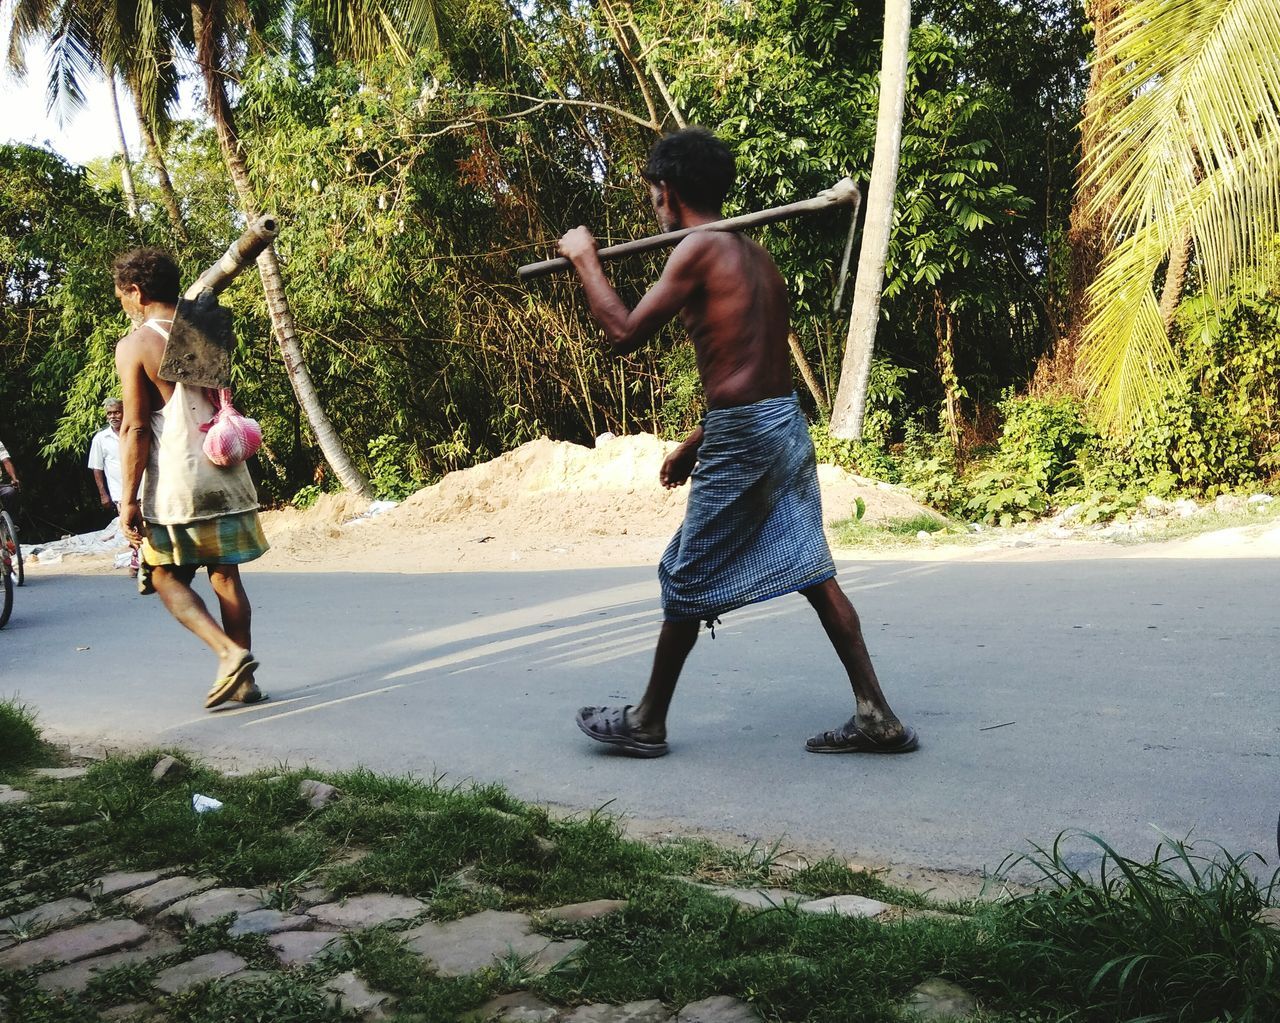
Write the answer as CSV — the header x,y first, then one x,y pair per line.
x,y
840,620
186,606
237,614
649,718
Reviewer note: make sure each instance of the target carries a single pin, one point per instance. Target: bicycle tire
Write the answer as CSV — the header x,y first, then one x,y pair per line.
x,y
6,602
9,537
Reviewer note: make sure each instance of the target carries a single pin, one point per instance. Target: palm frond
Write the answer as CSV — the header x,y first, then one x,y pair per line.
x,y
1187,141
361,29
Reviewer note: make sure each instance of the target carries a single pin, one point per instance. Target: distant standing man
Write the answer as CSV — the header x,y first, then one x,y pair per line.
x,y
104,461
753,526
193,514
104,454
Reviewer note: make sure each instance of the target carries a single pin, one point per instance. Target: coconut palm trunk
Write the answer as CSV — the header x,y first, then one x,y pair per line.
x,y
268,265
855,370
155,156
126,171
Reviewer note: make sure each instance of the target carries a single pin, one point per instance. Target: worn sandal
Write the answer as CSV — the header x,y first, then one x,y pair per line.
x,y
849,738
226,685
609,725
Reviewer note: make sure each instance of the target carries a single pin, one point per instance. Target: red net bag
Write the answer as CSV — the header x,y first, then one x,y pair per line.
x,y
230,438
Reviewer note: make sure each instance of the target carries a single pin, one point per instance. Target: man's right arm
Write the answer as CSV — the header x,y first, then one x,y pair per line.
x,y
135,433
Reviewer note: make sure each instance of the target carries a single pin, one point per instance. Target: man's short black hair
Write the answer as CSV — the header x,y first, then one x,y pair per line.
x,y
152,270
696,165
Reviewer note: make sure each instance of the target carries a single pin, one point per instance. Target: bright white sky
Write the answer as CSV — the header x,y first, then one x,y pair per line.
x,y
85,134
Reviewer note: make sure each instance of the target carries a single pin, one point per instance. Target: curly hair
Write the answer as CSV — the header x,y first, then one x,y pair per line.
x,y
696,164
153,271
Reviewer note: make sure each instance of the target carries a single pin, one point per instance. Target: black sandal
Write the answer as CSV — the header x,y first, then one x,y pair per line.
x,y
849,738
609,725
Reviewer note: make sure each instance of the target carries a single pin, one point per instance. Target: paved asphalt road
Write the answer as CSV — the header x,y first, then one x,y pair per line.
x,y
1138,693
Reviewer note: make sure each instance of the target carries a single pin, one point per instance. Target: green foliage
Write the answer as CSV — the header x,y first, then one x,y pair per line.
x,y
1173,938
1039,444
393,472
931,470
20,743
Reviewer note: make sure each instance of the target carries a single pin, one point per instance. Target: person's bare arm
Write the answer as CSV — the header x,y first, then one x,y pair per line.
x,y
13,473
629,329
135,434
100,478
678,466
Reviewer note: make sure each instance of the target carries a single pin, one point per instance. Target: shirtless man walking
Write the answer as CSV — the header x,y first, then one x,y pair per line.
x,y
192,513
753,525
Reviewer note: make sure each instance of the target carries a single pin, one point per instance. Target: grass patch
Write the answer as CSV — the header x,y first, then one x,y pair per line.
x,y
20,743
1175,939
854,532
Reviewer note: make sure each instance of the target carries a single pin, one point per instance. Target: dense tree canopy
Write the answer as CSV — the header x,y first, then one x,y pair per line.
x,y
412,182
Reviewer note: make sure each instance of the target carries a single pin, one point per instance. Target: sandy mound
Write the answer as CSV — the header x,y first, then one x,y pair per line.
x,y
547,503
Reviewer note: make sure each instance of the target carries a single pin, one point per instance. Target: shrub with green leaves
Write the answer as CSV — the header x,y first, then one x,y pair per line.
x,y
19,736
1039,444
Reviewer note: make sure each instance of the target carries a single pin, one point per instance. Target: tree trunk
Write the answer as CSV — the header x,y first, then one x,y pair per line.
x,y
855,369
1087,236
1174,277
155,155
268,265
126,171
944,330
807,375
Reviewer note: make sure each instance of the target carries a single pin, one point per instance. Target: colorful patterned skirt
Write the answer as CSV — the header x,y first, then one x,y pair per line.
x,y
226,540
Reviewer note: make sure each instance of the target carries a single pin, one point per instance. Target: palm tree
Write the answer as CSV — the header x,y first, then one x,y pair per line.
x,y
357,30
1187,159
106,38
855,369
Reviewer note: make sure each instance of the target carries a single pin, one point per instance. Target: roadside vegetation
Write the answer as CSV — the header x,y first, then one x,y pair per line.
x,y
412,173
1179,938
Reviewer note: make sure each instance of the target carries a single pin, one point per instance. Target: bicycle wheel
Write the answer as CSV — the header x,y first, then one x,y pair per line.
x,y
6,576
9,537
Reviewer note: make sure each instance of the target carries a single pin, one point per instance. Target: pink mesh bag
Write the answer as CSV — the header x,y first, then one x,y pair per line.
x,y
230,438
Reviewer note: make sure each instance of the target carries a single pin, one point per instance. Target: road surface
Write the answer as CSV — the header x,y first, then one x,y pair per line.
x,y
1116,696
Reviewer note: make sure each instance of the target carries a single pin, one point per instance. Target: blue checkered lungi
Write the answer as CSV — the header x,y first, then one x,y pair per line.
x,y
753,526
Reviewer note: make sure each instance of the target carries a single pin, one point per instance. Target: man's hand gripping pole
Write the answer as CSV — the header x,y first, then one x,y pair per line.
x,y
843,193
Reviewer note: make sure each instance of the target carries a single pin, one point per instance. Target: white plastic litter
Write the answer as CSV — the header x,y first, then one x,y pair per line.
x,y
108,540
375,509
204,804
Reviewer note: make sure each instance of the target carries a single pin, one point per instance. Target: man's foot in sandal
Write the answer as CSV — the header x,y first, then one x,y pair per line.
x,y
849,738
224,685
248,693
611,725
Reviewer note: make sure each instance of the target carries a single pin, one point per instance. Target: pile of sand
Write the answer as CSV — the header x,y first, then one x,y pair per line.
x,y
547,503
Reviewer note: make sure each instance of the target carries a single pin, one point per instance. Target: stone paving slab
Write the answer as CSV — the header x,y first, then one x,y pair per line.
x,y
652,1011
268,921
938,999
61,773
579,911
517,1007
8,794
208,906
213,966
464,946
362,911
77,976
122,882
719,1009
76,943
155,897
51,914
758,898
298,948
845,905
353,994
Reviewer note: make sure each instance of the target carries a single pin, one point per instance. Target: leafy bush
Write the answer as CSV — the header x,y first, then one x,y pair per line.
x,y
392,471
1039,444
19,736
1176,938
931,469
